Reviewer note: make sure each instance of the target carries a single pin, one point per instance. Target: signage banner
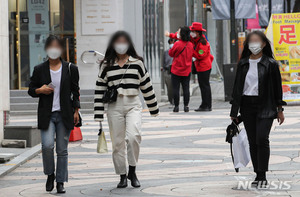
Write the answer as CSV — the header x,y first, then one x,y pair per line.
x,y
286,43
220,9
245,9
263,12
38,26
99,17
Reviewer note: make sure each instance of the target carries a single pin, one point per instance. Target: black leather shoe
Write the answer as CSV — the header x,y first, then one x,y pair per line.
x,y
203,109
123,181
50,183
176,109
186,109
262,184
133,178
60,188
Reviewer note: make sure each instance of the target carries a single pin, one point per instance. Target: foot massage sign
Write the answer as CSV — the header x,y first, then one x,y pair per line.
x,y
284,32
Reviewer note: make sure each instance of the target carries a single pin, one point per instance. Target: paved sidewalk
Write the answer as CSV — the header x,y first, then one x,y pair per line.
x,y
182,154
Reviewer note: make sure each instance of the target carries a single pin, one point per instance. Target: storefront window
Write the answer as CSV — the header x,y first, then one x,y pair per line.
x,y
31,21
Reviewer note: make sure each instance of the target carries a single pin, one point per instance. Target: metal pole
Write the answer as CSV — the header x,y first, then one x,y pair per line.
x,y
204,15
288,6
161,44
233,34
219,48
270,8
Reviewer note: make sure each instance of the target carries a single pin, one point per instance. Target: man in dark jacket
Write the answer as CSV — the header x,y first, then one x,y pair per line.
x,y
167,71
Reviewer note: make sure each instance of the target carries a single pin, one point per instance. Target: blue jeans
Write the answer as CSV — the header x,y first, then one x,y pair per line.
x,y
57,127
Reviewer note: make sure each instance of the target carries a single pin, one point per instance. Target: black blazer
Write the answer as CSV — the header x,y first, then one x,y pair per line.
x,y
269,87
69,84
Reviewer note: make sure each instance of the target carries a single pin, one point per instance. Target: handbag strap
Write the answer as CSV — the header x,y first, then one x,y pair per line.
x,y
69,66
182,49
123,76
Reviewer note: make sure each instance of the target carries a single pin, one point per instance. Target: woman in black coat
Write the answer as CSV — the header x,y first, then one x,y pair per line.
x,y
257,95
54,82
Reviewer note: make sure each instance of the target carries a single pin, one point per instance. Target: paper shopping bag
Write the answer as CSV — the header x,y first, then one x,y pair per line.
x,y
241,149
102,144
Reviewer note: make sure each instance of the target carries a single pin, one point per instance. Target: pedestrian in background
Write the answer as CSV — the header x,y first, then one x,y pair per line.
x,y
167,71
202,59
257,94
122,71
53,82
182,53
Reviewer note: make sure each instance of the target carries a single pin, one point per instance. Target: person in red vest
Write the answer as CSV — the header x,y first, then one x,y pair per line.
x,y
202,59
182,53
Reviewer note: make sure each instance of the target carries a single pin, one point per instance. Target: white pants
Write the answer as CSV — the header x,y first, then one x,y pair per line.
x,y
124,120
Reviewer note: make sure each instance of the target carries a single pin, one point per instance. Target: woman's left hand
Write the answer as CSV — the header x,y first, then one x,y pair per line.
x,y
76,118
280,117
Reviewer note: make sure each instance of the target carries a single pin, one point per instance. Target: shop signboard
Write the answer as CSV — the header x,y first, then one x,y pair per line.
x,y
99,17
38,27
286,45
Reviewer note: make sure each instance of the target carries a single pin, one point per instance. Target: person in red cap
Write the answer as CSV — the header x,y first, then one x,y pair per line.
x,y
202,60
182,53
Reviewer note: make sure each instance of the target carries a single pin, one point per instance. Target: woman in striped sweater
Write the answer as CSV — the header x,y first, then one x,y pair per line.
x,y
123,69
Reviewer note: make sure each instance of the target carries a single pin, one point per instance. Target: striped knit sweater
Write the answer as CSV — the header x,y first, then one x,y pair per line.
x,y
136,78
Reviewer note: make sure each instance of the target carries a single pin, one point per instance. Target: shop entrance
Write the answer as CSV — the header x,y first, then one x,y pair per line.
x,y
30,23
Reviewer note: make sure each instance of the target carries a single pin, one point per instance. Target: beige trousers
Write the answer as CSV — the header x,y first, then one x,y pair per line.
x,y
124,121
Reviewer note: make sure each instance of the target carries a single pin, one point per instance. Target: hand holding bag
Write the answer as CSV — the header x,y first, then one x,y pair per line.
x,y
102,144
111,94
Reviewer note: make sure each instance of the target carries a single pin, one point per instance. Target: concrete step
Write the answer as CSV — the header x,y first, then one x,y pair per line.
x,y
23,93
34,106
27,99
34,112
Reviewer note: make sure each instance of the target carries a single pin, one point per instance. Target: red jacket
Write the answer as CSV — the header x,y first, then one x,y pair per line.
x,y
182,58
203,56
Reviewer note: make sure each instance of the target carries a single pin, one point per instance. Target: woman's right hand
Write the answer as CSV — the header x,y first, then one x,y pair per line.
x,y
44,90
234,119
167,33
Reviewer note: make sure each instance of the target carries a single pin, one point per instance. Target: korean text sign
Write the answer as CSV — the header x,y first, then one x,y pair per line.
x,y
286,40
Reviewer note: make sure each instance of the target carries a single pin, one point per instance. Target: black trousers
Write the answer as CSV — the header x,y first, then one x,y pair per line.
x,y
258,131
203,80
185,82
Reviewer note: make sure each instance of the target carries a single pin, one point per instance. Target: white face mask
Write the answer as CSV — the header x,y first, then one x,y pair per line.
x,y
171,45
121,48
54,53
178,36
193,34
255,47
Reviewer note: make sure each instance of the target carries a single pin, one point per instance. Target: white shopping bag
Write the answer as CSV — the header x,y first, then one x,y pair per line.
x,y
241,151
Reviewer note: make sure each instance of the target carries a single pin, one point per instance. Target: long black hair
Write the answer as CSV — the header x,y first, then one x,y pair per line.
x,y
202,39
267,50
185,33
111,55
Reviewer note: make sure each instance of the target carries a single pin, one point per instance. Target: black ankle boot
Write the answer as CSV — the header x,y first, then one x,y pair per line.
x,y
186,109
50,183
123,181
133,178
60,188
176,109
261,180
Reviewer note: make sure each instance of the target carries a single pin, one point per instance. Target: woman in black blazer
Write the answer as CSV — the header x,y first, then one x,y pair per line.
x,y
55,82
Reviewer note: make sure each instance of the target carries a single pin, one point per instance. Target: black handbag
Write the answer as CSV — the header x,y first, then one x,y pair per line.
x,y
111,94
79,124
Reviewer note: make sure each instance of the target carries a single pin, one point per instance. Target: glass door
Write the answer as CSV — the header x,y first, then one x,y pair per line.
x,y
30,23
